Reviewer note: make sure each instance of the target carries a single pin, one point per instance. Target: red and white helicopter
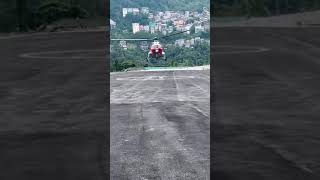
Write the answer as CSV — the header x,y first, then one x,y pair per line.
x,y
156,51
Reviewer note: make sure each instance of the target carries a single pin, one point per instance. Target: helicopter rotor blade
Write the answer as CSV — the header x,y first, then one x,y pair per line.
x,y
162,37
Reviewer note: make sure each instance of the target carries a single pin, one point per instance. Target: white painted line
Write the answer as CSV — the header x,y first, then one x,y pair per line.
x,y
241,49
14,36
154,78
53,54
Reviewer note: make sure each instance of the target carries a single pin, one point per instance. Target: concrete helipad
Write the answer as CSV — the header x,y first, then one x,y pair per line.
x,y
53,110
266,105
160,127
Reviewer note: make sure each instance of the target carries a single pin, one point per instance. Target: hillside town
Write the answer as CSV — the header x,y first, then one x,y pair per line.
x,y
166,22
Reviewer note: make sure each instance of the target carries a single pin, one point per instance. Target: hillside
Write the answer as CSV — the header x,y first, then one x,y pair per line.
x,y
27,14
117,5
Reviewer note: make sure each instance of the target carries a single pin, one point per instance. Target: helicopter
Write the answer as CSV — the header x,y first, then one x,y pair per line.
x,y
156,51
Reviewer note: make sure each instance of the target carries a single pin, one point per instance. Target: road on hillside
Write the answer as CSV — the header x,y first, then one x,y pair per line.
x,y
53,106
267,104
160,127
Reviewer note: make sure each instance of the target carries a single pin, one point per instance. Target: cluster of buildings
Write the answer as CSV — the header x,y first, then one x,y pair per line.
x,y
167,21
189,43
134,11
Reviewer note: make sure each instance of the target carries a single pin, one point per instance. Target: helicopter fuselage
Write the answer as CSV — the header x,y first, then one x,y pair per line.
x,y
156,51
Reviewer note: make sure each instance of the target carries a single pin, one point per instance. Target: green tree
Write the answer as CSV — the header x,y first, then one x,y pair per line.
x,y
22,14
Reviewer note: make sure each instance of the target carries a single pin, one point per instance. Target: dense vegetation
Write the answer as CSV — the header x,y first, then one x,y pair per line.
x,y
176,56
126,23
262,7
23,15
134,57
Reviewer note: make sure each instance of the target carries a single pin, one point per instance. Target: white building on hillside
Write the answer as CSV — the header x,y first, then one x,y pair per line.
x,y
146,28
160,13
112,24
145,10
192,42
187,44
188,28
164,32
135,27
198,28
197,40
135,11
152,30
179,42
170,29
124,12
186,14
